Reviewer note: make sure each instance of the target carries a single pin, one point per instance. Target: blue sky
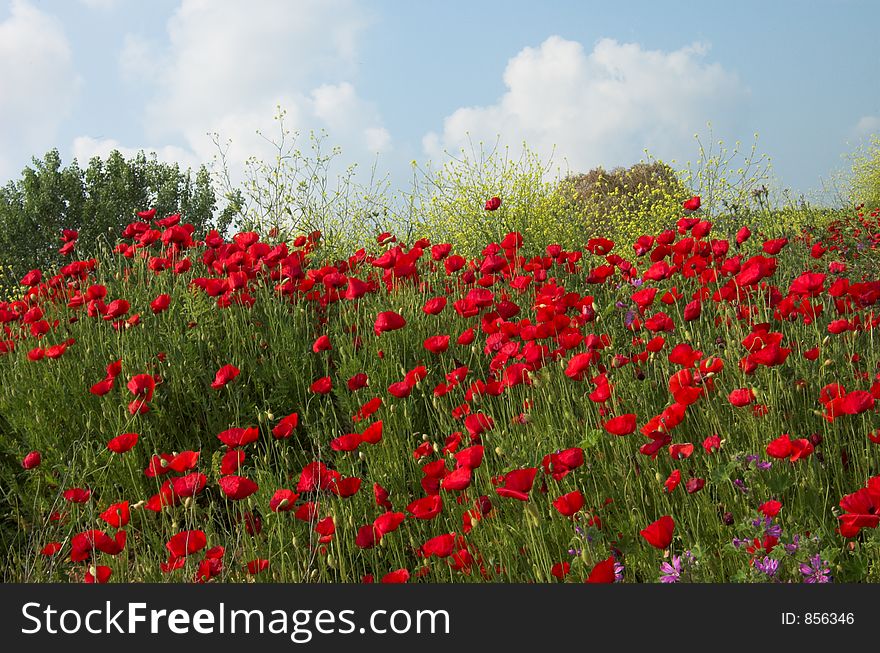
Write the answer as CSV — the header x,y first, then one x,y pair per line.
x,y
407,80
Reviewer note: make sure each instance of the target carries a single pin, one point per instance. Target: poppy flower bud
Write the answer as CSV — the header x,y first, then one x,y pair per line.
x,y
499,451
361,455
270,416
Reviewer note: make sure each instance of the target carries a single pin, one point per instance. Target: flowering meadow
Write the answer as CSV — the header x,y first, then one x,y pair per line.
x,y
693,406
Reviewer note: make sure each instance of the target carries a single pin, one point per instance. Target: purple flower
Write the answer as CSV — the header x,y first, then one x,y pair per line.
x,y
671,572
629,318
768,566
618,572
792,548
741,485
816,571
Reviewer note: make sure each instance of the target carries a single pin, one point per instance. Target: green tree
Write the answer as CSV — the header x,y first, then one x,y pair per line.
x,y
98,202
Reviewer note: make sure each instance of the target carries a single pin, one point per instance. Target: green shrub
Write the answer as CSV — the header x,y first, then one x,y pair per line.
x,y
864,186
625,202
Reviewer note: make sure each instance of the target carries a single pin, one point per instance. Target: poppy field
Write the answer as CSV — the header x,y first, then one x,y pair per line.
x,y
694,406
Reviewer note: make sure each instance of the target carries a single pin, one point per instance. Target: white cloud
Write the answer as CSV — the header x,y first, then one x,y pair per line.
x,y
599,108
866,126
86,147
38,81
228,65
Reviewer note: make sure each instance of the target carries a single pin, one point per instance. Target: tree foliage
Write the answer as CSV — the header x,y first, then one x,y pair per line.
x,y
97,201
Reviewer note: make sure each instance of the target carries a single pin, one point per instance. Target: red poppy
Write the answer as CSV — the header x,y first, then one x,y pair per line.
x,y
161,303
440,546
77,494
32,278
188,485
224,375
116,308
321,344
517,484
493,204
231,461
784,447
388,523
254,567
283,501
32,460
388,321
437,344
373,433
117,515
347,442
98,574
569,504
142,386
457,480
186,543
346,487
285,427
467,337
102,387
398,576
741,397
681,451
434,306
673,480
692,204
51,549
560,570
325,528
83,544
237,487
357,382
770,508
322,386
602,572
621,425
184,461
426,507
123,443
317,476
862,509
659,533
238,437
